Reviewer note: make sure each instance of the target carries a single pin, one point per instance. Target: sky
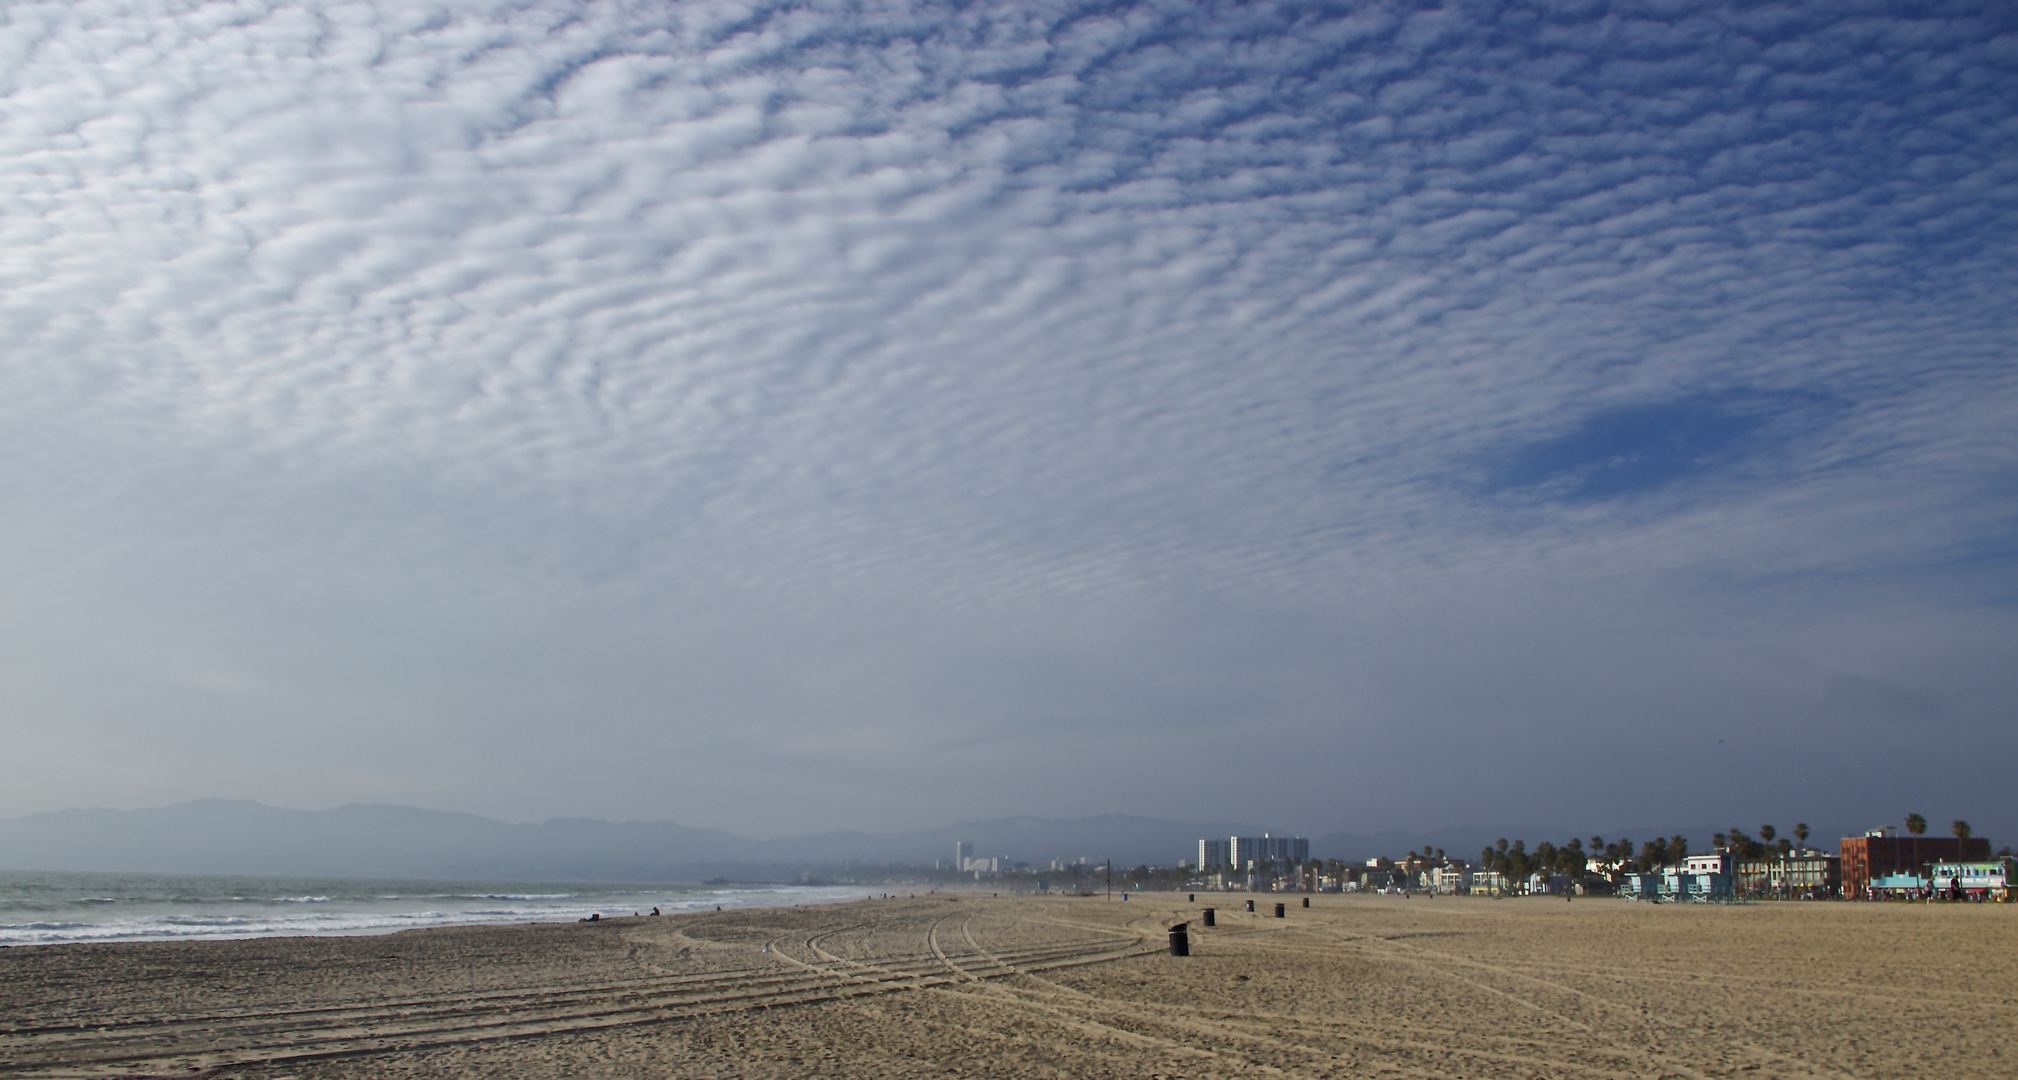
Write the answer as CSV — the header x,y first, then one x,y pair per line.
x,y
791,417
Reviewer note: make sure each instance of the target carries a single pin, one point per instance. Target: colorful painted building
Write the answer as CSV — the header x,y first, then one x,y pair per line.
x,y
1972,880
1883,852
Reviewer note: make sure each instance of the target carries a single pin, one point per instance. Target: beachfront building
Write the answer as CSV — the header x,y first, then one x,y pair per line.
x,y
1702,877
1974,880
1488,883
1800,874
1883,852
1547,884
1451,879
1720,862
1806,873
1900,886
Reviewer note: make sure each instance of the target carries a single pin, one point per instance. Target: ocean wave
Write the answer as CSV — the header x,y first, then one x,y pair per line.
x,y
179,927
154,909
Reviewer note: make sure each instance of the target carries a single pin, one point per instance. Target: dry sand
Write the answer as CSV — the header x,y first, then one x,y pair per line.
x,y
1055,987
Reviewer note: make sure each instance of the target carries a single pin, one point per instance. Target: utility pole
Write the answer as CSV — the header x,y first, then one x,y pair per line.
x,y
1110,879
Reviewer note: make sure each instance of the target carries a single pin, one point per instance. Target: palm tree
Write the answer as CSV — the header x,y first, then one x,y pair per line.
x,y
1801,833
1766,834
1916,825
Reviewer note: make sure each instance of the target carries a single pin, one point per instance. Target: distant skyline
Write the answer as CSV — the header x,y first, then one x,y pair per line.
x,y
785,418
243,837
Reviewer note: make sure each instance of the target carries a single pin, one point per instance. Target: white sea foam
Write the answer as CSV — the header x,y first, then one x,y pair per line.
x,y
46,909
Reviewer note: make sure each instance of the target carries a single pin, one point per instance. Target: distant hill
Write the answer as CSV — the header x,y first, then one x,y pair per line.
x,y
360,840
376,840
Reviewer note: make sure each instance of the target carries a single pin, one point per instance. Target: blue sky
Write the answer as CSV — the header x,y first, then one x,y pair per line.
x,y
876,415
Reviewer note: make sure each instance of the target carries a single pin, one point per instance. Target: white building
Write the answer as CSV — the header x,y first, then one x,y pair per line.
x,y
1450,880
1212,854
1719,863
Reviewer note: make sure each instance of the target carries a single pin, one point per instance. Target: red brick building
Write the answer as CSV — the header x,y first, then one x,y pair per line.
x,y
1882,852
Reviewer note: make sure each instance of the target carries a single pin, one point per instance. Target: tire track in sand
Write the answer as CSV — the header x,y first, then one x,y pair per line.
x,y
201,1042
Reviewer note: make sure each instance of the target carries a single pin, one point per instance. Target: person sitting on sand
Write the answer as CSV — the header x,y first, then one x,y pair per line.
x,y
655,911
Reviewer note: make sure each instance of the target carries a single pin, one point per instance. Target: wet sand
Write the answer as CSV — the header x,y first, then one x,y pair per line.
x,y
1055,987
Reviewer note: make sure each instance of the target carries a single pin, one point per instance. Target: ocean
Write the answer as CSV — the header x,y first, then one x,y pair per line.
x,y
52,908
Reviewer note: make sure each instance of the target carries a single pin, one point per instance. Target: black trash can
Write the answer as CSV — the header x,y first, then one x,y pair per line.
x,y
1281,911
1211,917
1191,898
1250,905
1306,901
1180,940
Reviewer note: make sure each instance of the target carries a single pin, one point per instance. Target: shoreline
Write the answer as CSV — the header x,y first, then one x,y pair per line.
x,y
41,909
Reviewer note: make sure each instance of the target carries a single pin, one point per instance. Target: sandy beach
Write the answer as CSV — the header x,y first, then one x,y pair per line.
x,y
968,985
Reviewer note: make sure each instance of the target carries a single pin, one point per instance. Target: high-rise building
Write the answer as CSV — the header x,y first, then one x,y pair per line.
x,y
1211,854
1245,851
962,853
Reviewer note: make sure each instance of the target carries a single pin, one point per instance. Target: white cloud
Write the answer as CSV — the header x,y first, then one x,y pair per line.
x,y
907,334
